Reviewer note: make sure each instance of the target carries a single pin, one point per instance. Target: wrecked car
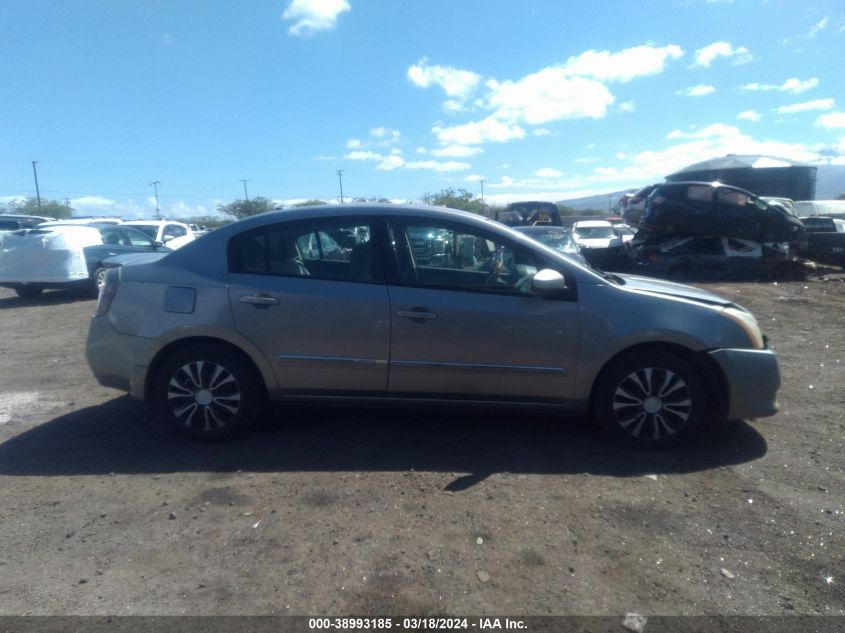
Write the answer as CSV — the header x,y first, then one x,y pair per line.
x,y
823,240
705,256
599,243
702,208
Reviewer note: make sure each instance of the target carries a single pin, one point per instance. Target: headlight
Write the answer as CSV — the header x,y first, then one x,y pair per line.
x,y
748,323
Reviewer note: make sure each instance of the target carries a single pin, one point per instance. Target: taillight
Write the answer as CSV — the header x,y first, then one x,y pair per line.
x,y
108,291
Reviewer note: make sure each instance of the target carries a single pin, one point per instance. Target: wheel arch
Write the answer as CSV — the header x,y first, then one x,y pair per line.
x,y
179,344
708,370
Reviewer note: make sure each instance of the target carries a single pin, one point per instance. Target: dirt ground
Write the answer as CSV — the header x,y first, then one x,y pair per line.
x,y
362,511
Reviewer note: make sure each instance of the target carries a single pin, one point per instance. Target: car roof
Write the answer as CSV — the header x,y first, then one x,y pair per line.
x,y
152,222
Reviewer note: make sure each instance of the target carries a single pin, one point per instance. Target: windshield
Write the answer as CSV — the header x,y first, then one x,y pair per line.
x,y
594,232
561,241
149,230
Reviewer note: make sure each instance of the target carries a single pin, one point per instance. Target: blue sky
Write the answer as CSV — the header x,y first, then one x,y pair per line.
x,y
547,99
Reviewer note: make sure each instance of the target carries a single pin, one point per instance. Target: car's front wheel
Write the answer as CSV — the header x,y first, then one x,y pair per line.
x,y
650,399
208,392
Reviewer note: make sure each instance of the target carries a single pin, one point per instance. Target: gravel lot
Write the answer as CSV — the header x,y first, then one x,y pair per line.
x,y
362,511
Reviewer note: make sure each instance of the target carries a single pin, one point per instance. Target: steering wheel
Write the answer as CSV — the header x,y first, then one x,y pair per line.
x,y
496,268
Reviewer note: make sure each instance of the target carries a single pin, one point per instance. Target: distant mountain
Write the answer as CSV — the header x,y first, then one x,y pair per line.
x,y
830,183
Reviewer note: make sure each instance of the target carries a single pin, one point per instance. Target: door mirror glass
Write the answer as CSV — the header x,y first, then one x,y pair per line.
x,y
548,282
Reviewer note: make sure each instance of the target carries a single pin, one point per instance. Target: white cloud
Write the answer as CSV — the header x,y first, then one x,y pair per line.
x,y
548,172
363,155
816,104
454,82
572,90
478,132
697,91
624,65
818,27
453,105
832,120
549,95
749,115
796,86
792,85
310,16
391,162
456,151
707,55
434,165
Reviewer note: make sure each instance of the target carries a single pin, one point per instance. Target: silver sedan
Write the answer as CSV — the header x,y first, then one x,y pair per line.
x,y
423,306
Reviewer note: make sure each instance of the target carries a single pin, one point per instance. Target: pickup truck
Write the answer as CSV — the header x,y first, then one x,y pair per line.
x,y
823,240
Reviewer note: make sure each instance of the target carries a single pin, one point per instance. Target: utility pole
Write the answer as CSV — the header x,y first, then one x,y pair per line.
x,y
37,190
154,184
246,195
482,192
340,180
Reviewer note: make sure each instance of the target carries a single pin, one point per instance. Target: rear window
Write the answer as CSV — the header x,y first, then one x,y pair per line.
x,y
701,193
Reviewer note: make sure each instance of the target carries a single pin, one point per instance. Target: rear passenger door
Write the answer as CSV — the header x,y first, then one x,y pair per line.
x,y
318,309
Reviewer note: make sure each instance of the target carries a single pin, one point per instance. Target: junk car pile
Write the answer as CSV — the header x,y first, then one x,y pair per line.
x,y
689,229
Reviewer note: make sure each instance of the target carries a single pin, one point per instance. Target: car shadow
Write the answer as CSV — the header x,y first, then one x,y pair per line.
x,y
47,298
121,436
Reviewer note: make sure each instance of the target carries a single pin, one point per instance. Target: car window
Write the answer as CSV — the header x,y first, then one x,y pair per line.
x,y
147,229
700,193
174,230
133,237
732,197
111,236
457,257
325,250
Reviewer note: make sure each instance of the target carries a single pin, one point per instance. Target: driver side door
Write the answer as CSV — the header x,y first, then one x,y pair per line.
x,y
465,322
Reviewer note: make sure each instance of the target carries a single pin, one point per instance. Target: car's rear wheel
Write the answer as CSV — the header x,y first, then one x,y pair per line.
x,y
99,281
28,292
207,392
650,399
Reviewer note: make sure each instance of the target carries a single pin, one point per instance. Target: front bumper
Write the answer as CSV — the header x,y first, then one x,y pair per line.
x,y
119,360
752,378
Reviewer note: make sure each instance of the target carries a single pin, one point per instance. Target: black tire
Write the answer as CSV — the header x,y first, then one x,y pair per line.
x,y
28,292
208,392
97,281
650,399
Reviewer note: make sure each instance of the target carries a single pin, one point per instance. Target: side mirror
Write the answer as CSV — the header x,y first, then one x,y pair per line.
x,y
548,282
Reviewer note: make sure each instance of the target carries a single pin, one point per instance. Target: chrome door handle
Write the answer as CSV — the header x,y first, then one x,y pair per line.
x,y
414,314
261,300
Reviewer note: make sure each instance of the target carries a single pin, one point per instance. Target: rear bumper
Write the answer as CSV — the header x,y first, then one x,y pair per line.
x,y
752,378
119,360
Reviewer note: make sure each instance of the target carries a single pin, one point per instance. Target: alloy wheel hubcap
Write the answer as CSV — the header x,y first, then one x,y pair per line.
x,y
204,395
652,403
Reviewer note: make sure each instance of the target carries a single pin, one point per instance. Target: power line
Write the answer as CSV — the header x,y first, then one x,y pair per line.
x,y
37,190
340,180
154,184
